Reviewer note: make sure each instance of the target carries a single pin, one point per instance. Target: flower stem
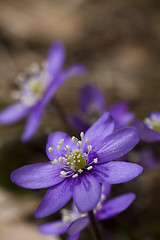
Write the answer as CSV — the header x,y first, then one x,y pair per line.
x,y
93,226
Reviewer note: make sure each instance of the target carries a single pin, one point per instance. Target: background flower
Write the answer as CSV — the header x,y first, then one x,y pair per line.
x,y
37,89
73,222
92,104
149,128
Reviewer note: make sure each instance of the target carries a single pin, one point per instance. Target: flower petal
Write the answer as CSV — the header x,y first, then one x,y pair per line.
x,y
86,193
115,206
60,79
73,237
106,188
118,144
146,134
13,113
121,114
90,95
36,176
55,58
117,172
53,141
33,123
55,198
99,131
78,225
53,228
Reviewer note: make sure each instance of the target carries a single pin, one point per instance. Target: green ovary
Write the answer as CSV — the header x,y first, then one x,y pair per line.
x,y
79,162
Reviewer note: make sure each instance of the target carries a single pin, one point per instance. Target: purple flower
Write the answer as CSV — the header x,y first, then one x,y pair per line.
x,y
74,222
37,89
78,167
147,159
92,105
149,129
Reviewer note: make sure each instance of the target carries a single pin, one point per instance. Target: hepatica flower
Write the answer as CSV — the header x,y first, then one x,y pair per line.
x,y
73,222
78,167
147,158
37,89
149,128
92,105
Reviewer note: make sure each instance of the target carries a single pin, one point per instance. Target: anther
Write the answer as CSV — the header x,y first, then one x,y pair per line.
x,y
58,147
75,175
89,168
61,142
54,163
61,159
87,140
74,139
82,135
50,149
95,160
80,170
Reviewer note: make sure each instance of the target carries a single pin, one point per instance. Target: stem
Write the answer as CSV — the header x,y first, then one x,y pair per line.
x,y
94,229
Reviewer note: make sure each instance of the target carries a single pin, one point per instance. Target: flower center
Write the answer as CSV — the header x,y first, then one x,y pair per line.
x,y
33,84
75,161
153,122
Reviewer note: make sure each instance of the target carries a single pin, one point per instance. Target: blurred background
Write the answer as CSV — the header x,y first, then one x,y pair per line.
x,y
119,43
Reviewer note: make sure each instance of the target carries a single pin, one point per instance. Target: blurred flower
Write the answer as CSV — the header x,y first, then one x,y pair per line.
x,y
150,128
92,105
147,159
78,167
73,222
37,89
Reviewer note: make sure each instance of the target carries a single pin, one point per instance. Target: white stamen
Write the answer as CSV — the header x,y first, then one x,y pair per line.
x,y
87,140
61,159
89,168
82,135
80,170
58,147
54,163
61,142
95,160
50,149
75,175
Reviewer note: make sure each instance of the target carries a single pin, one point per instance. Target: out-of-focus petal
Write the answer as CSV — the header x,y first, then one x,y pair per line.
x,y
118,144
36,176
106,188
146,134
73,237
33,123
55,58
90,95
115,206
121,114
13,113
78,123
86,193
53,228
60,79
78,225
55,198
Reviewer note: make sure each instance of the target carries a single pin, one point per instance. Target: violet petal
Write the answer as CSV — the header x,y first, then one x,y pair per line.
x,y
36,176
86,193
55,198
